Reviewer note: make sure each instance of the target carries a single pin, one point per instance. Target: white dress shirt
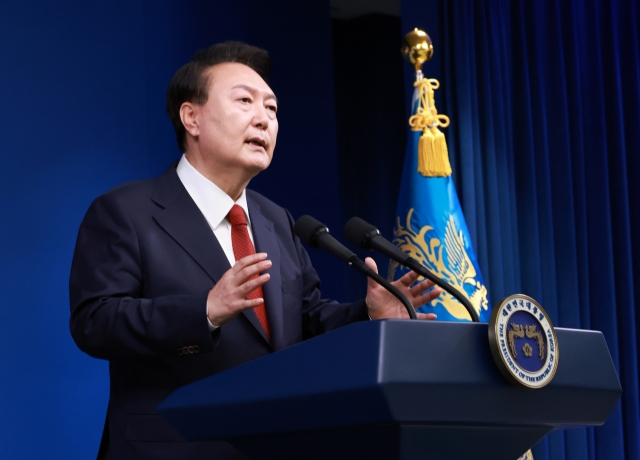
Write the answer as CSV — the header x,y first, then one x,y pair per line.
x,y
214,204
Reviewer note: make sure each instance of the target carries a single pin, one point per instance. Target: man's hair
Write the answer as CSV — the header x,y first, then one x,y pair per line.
x,y
189,84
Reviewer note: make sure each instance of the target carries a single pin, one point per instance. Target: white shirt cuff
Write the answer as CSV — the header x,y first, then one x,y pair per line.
x,y
212,327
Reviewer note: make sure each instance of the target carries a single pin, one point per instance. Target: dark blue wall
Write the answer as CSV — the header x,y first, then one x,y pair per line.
x,y
82,87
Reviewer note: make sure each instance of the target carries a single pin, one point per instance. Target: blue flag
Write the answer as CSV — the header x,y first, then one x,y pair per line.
x,y
429,223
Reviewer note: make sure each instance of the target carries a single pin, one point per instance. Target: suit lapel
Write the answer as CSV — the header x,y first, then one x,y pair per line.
x,y
181,218
265,241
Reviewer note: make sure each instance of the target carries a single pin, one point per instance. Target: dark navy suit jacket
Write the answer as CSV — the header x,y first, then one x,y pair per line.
x,y
144,262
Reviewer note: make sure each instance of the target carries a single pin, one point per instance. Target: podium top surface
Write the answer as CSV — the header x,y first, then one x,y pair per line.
x,y
395,371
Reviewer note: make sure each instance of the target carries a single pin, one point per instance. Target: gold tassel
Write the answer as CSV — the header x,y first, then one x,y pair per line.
x,y
437,158
433,156
425,144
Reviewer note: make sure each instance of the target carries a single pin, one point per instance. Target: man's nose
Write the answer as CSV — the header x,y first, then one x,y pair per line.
x,y
261,117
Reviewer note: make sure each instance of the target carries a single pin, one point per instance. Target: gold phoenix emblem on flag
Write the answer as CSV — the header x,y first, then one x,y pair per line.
x,y
449,261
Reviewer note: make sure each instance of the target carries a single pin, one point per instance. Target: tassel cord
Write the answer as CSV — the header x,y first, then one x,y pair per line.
x,y
433,157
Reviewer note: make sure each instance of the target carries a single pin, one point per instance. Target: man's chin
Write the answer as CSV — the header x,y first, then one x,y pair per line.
x,y
255,168
258,163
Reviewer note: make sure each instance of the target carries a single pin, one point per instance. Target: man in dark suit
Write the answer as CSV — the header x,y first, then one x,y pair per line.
x,y
165,281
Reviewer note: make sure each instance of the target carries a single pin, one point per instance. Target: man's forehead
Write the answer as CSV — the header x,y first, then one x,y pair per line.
x,y
234,75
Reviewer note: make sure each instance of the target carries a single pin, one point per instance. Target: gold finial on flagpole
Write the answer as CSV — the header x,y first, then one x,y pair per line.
x,y
433,156
417,49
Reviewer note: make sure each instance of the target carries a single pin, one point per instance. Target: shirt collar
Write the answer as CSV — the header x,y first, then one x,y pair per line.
x,y
212,201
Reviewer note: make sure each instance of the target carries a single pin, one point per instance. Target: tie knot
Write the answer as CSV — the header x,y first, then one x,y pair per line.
x,y
236,216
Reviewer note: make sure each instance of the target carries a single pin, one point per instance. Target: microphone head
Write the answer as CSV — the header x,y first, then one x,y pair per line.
x,y
360,232
309,229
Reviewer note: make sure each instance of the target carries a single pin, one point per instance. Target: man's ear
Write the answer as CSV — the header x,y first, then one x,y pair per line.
x,y
188,115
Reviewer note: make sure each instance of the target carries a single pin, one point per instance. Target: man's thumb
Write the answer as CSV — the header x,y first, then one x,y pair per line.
x,y
371,263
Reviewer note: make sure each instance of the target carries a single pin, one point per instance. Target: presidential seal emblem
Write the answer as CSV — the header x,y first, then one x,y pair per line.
x,y
523,341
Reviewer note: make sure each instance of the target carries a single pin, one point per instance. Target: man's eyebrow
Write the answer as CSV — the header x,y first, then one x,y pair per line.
x,y
251,89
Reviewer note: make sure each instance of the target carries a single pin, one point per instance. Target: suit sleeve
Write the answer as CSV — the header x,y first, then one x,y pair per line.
x,y
110,319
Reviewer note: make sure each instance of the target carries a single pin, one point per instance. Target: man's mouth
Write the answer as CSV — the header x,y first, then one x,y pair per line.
x,y
257,142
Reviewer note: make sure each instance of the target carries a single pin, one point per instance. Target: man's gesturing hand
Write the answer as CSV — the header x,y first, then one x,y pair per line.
x,y
382,304
228,297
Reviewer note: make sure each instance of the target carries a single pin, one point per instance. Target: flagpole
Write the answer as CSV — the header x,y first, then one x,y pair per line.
x,y
433,158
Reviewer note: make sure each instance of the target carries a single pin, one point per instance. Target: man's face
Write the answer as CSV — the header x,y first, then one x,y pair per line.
x,y
237,125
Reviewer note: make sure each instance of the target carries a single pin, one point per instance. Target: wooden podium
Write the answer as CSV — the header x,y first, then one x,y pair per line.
x,y
395,389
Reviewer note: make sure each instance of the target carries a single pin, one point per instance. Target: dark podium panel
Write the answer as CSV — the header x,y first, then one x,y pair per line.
x,y
395,389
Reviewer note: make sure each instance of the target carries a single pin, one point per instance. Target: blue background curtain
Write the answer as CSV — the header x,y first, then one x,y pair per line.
x,y
82,95
544,141
543,99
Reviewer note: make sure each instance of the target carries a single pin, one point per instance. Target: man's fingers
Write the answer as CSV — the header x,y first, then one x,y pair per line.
x,y
249,260
408,278
371,285
426,297
228,296
249,266
249,272
427,316
251,303
422,286
371,263
252,284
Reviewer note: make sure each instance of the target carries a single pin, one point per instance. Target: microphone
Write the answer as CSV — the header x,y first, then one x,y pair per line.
x,y
317,235
366,236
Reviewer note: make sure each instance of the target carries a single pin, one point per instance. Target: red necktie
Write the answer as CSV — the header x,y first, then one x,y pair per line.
x,y
242,247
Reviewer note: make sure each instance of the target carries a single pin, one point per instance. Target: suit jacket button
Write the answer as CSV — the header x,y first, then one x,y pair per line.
x,y
190,348
196,348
